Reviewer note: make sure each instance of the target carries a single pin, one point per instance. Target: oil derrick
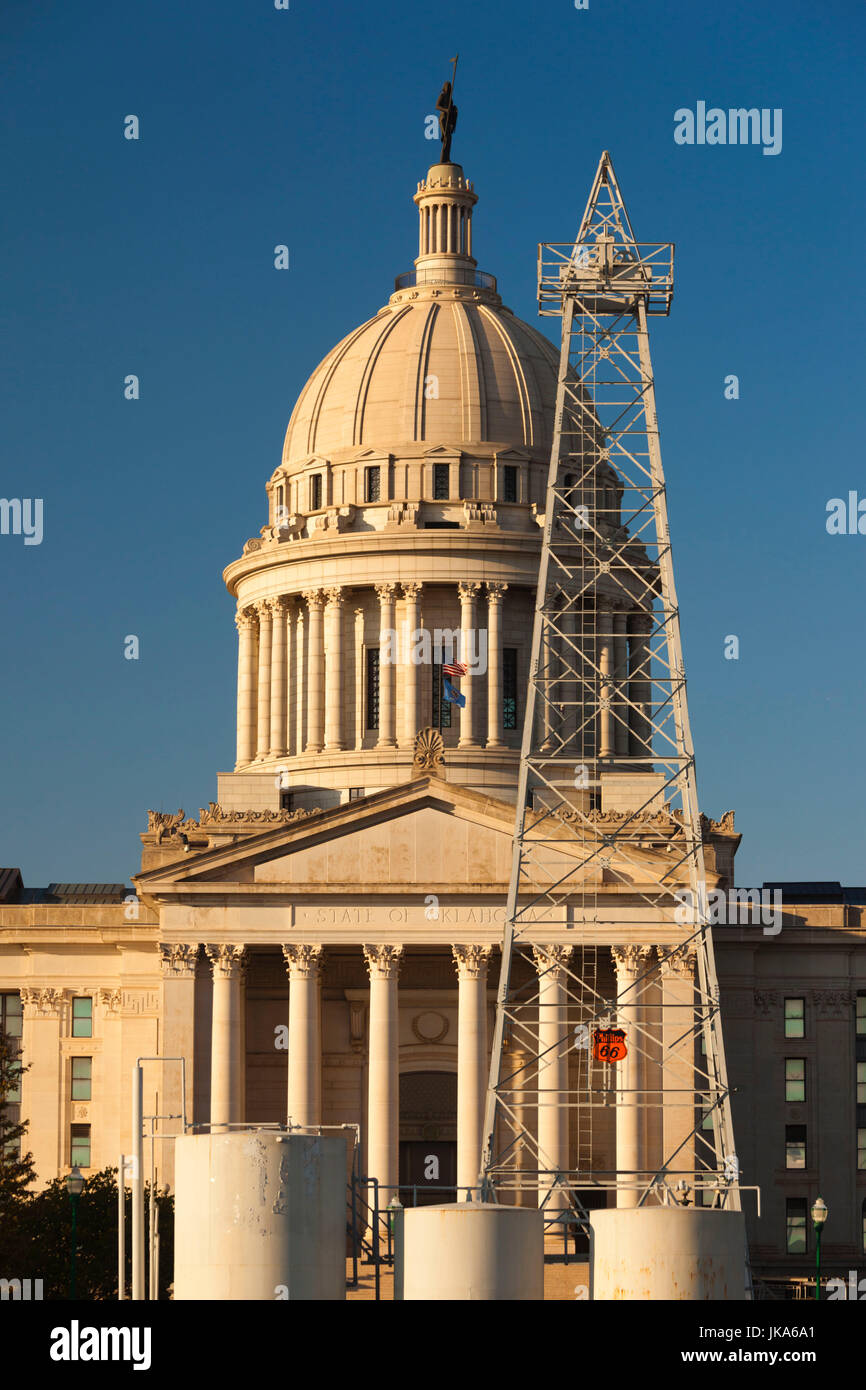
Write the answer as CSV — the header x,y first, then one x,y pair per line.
x,y
608,1067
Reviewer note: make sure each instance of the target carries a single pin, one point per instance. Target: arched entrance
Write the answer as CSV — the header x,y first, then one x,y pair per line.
x,y
428,1137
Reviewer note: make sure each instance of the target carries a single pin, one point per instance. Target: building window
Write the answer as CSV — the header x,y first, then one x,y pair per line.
x,y
356,793
441,525
315,492
795,1220
795,1146
372,687
82,1017
861,1150
861,1015
79,1148
509,687
861,1083
795,1018
863,1227
509,483
82,1069
11,1015
287,801
371,484
441,482
795,1079
441,706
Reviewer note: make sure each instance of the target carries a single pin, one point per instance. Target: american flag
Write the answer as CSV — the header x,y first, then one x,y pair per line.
x,y
455,668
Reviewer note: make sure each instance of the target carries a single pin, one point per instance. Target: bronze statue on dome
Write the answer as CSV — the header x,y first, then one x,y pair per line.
x,y
447,117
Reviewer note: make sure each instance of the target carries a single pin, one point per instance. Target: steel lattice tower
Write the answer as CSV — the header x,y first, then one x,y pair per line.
x,y
608,844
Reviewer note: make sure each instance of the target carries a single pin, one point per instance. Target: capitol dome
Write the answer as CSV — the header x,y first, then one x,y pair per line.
x,y
408,501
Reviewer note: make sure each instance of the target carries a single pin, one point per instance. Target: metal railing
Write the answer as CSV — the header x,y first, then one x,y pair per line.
x,y
479,278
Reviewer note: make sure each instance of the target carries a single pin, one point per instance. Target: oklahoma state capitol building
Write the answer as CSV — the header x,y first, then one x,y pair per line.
x,y
322,940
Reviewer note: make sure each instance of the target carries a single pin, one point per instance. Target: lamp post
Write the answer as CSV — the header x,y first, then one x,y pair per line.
x,y
74,1186
819,1216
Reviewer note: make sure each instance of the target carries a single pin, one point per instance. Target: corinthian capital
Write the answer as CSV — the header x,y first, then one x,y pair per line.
x,y
552,959
314,598
630,960
495,592
471,961
386,593
468,591
178,961
412,590
227,961
303,962
383,962
678,961
245,619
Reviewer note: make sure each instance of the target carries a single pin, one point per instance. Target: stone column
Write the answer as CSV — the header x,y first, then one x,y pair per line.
x,y
494,665
640,685
677,970
304,965
468,628
605,665
620,671
264,679
278,677
570,692
553,1046
300,680
411,672
472,1061
334,670
225,1072
178,1036
245,621
383,1106
387,667
360,675
315,672
630,962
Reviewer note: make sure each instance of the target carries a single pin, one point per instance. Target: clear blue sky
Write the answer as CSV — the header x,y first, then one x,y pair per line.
x,y
306,127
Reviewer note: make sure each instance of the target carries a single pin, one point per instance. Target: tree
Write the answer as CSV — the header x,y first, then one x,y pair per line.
x,y
16,1168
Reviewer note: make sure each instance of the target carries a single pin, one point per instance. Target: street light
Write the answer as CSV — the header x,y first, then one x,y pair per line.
x,y
819,1216
74,1186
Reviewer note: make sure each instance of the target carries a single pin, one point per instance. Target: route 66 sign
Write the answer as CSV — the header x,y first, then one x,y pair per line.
x,y
608,1045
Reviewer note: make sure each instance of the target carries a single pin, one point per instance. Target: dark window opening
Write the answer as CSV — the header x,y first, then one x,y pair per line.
x,y
795,1221
509,687
509,483
441,707
287,801
79,1148
441,525
372,687
356,793
371,484
315,492
441,482
795,1146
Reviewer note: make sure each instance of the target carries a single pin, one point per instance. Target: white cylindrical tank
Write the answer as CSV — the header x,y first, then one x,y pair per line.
x,y
472,1250
667,1253
260,1215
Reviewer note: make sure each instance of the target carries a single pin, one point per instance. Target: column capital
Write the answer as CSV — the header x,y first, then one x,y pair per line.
x,y
263,609
314,598
383,962
227,961
641,624
386,593
494,591
178,962
468,590
552,958
245,618
335,594
278,604
471,961
44,1003
412,589
629,960
303,962
678,961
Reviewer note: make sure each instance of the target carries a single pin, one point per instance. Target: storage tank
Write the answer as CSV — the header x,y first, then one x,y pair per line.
x,y
472,1250
260,1215
667,1253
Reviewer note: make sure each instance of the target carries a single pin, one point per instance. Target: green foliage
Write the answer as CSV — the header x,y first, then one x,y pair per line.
x,y
16,1168
36,1238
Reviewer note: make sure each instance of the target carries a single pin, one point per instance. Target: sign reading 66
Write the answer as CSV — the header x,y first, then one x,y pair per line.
x,y
608,1045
